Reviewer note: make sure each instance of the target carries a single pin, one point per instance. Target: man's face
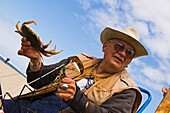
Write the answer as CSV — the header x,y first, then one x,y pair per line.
x,y
117,54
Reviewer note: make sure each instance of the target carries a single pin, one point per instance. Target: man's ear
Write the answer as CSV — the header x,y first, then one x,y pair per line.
x,y
105,46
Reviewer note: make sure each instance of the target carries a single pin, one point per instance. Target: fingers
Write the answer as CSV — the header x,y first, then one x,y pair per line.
x,y
27,50
24,39
68,93
25,46
164,89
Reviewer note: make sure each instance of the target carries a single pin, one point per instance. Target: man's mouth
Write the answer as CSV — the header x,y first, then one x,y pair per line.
x,y
118,59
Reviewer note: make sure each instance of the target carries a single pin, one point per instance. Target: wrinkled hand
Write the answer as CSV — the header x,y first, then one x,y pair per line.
x,y
68,93
27,50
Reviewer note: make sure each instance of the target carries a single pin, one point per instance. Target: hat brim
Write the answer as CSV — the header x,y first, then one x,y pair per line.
x,y
109,33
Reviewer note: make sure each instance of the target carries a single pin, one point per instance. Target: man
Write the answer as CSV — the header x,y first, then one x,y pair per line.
x,y
108,87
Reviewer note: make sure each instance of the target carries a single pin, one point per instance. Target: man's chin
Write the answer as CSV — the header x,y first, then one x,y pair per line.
x,y
116,66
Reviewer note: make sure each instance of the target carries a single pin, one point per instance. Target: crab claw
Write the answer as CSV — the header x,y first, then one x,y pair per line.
x,y
45,46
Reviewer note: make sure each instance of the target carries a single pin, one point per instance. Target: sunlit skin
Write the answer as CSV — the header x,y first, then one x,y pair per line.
x,y
114,61
69,93
28,51
164,90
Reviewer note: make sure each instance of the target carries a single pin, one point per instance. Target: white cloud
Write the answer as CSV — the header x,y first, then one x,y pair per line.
x,y
159,18
85,4
153,74
144,73
145,81
152,22
150,84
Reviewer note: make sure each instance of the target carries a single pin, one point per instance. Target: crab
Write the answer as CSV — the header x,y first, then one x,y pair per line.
x,y
27,31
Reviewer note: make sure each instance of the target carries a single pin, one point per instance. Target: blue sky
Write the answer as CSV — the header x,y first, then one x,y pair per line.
x,y
75,27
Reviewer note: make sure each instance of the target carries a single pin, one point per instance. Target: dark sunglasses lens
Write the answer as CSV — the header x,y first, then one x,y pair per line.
x,y
129,53
119,47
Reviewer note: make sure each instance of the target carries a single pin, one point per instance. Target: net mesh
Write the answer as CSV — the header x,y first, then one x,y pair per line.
x,y
43,100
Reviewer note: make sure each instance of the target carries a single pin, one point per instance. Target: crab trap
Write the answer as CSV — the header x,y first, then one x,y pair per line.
x,y
42,100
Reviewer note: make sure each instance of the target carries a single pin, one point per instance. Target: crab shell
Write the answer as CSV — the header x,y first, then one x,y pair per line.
x,y
27,31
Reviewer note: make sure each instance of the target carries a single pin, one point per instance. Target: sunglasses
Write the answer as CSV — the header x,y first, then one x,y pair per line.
x,y
120,47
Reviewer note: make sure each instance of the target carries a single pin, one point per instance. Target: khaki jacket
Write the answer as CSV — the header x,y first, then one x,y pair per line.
x,y
105,84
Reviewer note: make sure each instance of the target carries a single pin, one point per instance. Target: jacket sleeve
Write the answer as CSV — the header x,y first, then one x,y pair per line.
x,y
38,80
119,103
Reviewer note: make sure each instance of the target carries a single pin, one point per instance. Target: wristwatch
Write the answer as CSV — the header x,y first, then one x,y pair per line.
x,y
34,65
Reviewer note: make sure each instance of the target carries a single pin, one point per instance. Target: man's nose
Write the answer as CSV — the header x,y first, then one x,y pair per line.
x,y
123,53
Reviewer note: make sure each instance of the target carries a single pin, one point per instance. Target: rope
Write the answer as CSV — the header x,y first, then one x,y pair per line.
x,y
38,78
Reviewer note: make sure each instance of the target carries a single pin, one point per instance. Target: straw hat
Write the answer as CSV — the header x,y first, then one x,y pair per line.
x,y
129,35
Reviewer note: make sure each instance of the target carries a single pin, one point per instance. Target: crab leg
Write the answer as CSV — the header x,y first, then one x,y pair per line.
x,y
19,30
29,22
45,54
54,48
45,46
52,52
18,26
